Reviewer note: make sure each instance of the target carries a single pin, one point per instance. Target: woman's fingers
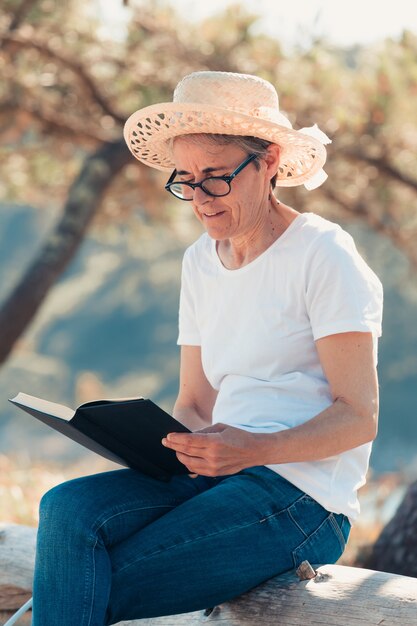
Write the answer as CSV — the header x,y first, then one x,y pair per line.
x,y
201,467
192,440
191,444
213,453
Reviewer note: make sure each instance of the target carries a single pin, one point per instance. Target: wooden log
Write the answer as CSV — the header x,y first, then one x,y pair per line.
x,y
332,595
17,559
336,596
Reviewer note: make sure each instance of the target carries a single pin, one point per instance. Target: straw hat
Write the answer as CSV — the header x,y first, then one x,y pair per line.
x,y
231,104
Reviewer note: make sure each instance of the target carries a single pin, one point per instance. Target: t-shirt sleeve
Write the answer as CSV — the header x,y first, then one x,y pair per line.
x,y
189,333
342,292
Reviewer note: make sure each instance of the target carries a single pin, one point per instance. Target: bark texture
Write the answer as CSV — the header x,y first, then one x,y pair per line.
x,y
335,596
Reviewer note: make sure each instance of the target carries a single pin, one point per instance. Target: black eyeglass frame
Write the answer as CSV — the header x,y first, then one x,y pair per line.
x,y
227,179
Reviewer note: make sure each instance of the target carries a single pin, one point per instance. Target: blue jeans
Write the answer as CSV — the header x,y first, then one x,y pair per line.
x,y
121,546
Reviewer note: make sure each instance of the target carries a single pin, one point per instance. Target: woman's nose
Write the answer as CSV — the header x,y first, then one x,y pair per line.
x,y
201,197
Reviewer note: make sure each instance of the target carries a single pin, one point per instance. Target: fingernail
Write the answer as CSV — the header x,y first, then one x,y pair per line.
x,y
164,442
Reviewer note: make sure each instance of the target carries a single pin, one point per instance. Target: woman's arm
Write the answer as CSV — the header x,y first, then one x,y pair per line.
x,y
348,363
196,397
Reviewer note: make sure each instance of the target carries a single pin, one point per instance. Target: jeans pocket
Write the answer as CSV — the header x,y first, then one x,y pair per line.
x,y
341,527
324,545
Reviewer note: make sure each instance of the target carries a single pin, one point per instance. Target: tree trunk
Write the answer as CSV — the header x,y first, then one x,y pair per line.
x,y
335,596
396,548
84,200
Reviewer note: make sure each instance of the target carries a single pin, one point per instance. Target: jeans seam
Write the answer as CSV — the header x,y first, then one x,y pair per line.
x,y
183,543
310,536
93,589
284,510
140,508
337,531
159,506
345,523
297,524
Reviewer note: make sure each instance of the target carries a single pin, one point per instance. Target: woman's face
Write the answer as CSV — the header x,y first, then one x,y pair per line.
x,y
243,210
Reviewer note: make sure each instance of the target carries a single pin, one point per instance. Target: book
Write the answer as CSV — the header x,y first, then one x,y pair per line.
x,y
127,431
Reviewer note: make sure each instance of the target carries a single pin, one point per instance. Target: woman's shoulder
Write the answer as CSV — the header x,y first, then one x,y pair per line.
x,y
320,234
332,249
316,226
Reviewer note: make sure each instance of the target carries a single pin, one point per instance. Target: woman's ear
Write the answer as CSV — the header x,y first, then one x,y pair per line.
x,y
272,159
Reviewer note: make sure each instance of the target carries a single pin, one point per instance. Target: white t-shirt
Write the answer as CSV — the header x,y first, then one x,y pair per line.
x,y
257,325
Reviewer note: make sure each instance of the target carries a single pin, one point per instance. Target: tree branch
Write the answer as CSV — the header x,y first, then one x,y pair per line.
x,y
383,166
84,200
182,51
20,14
61,124
78,69
52,121
359,210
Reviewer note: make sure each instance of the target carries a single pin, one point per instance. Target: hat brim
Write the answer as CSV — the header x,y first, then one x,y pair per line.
x,y
147,133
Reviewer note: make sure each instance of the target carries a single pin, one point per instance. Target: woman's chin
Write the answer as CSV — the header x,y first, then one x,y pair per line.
x,y
215,225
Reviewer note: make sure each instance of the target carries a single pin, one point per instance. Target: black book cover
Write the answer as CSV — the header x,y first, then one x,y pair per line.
x,y
128,432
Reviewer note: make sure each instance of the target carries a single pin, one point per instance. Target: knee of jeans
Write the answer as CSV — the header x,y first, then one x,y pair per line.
x,y
53,503
64,506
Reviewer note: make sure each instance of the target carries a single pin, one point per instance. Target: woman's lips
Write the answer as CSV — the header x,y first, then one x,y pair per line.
x,y
213,214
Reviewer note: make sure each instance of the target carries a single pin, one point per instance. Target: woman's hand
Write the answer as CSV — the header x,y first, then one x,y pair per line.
x,y
216,450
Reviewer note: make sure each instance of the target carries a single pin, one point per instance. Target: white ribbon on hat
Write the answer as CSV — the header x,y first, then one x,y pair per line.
x,y
314,131
320,176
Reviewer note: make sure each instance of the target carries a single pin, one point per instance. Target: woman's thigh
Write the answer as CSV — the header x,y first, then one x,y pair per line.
x,y
222,542
79,522
113,504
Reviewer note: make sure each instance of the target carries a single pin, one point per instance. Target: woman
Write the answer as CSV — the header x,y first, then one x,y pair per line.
x,y
279,319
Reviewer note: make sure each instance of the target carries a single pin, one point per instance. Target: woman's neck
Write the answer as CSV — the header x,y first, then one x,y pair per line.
x,y
241,250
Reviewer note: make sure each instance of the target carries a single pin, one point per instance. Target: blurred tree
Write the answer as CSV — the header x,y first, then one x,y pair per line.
x,y
66,91
395,550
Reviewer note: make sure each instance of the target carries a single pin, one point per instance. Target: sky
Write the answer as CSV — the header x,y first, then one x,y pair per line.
x,y
295,22
341,22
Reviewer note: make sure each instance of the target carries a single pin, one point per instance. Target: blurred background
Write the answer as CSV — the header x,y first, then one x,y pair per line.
x,y
91,244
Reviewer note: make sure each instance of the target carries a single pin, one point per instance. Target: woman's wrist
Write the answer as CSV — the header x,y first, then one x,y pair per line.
x,y
267,447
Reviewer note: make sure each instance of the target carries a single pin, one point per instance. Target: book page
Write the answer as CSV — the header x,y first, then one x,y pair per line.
x,y
44,406
110,401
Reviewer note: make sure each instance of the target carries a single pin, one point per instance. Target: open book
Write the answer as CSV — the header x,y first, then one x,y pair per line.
x,y
126,431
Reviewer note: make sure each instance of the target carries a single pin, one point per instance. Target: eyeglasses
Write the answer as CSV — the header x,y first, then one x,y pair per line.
x,y
216,186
